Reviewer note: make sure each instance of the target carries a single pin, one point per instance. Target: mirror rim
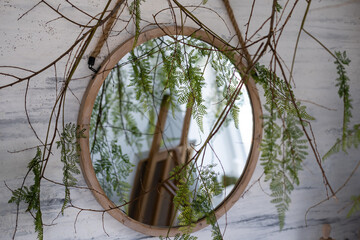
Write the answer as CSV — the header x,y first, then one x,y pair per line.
x,y
85,116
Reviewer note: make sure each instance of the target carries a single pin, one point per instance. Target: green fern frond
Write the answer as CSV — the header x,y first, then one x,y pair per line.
x,y
19,195
112,169
352,139
140,78
70,148
278,7
334,149
204,2
39,224
31,195
344,91
134,90
194,194
283,148
355,206
134,9
349,137
180,237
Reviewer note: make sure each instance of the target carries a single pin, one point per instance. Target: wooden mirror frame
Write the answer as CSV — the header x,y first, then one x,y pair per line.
x,y
85,116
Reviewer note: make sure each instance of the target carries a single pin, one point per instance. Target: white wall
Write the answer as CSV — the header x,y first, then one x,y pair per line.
x,y
32,42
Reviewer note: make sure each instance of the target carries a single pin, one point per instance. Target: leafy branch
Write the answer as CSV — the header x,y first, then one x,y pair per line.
x,y
196,188
283,149
70,149
70,158
356,205
31,195
350,137
344,92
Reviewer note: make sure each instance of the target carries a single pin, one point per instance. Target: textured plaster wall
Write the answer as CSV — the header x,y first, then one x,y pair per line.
x,y
35,40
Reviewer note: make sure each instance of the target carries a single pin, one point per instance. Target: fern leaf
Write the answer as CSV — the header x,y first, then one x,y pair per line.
x,y
69,157
31,195
281,168
344,91
355,207
352,139
39,224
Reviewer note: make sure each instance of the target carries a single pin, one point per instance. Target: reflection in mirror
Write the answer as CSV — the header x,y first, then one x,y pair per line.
x,y
153,145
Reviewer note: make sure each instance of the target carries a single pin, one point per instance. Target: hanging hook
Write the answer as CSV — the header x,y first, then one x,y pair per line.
x,y
91,63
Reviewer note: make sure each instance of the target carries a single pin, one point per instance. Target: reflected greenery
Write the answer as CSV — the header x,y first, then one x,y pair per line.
x,y
125,114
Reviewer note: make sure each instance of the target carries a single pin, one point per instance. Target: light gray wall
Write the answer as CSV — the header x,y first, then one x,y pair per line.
x,y
35,40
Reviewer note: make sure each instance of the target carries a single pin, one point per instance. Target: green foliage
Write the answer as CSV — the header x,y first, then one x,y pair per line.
x,y
31,195
202,205
283,148
344,91
111,170
278,7
125,114
180,237
39,224
190,92
277,94
185,178
70,149
355,206
352,139
349,137
140,78
229,79
133,91
135,10
69,156
193,197
284,172
113,107
269,145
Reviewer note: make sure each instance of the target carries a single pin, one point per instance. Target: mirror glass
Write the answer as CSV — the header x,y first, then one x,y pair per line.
x,y
154,141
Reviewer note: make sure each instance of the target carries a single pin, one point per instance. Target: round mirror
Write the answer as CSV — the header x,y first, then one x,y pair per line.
x,y
168,143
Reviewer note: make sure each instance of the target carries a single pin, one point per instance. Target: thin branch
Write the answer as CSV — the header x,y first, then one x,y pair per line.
x,y
63,16
76,218
103,224
249,20
298,37
29,10
27,113
334,194
90,31
319,42
80,10
311,141
316,104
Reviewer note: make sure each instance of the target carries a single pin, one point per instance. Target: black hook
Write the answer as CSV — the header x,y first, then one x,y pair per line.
x,y
91,63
